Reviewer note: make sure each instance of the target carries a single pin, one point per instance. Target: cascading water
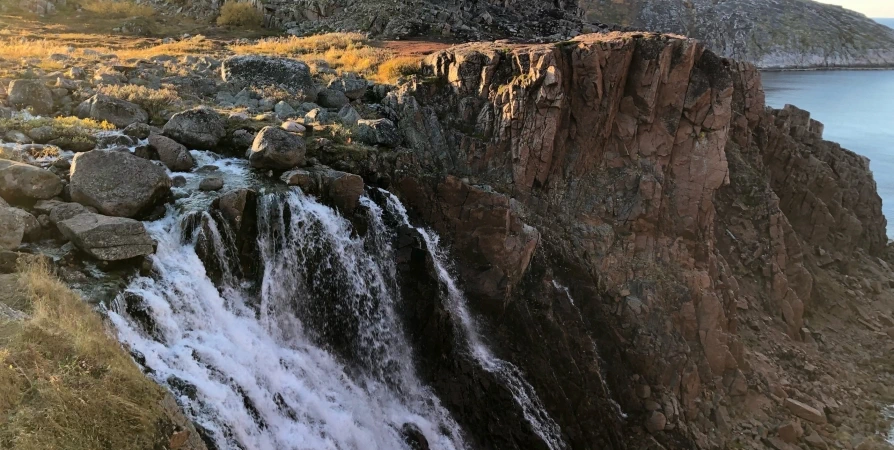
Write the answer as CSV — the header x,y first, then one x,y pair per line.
x,y
316,360
510,375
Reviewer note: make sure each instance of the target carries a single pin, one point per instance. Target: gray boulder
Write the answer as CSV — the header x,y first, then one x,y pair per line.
x,y
23,182
107,238
378,132
65,211
349,116
171,153
30,94
277,149
117,183
211,184
112,110
284,110
199,128
330,98
316,116
260,71
16,226
138,130
353,87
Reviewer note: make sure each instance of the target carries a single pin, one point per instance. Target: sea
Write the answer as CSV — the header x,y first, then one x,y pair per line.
x,y
857,108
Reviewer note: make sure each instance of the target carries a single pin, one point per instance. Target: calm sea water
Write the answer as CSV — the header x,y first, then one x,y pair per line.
x,y
888,22
857,107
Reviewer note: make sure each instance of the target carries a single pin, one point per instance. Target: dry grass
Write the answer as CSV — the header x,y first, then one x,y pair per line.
x,y
65,383
398,67
240,14
154,101
116,8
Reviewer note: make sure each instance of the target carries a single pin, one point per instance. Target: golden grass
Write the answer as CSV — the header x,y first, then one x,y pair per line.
x,y
65,383
343,52
240,14
116,8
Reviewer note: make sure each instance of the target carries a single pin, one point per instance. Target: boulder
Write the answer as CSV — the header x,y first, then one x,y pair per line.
x,y
235,205
378,132
330,98
805,411
198,128
20,181
349,116
107,238
16,226
171,153
115,111
656,422
341,189
65,211
284,110
301,178
790,432
242,139
293,127
353,87
138,130
211,184
261,71
316,116
277,149
117,183
31,94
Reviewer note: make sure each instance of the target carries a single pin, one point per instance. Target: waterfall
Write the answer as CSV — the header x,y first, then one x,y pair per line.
x,y
312,358
510,375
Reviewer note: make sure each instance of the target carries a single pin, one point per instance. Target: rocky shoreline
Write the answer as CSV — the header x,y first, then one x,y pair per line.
x,y
634,227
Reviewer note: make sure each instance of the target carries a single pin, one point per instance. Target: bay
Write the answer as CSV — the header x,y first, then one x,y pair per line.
x,y
857,108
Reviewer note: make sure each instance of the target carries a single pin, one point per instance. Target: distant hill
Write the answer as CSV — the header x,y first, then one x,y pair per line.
x,y
887,22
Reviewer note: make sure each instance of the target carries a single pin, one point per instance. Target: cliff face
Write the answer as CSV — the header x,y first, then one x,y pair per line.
x,y
769,33
646,174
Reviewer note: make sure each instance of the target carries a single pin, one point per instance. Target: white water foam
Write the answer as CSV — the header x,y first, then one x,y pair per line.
x,y
260,380
510,375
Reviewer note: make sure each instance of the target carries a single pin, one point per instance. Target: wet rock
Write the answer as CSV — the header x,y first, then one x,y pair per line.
x,y
301,178
329,98
199,128
211,184
114,140
171,153
234,205
115,111
138,130
108,238
277,149
31,94
24,182
262,71
413,437
341,189
378,132
117,183
178,181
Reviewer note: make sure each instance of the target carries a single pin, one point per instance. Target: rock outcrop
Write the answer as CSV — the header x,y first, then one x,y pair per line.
x,y
645,173
112,110
771,34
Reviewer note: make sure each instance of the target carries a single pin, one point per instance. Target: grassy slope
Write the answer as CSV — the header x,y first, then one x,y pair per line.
x,y
65,382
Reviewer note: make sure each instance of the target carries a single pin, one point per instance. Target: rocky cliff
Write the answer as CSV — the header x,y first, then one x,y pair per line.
x,y
646,174
769,33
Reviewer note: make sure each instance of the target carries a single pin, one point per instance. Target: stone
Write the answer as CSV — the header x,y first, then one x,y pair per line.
x,y
790,432
16,226
284,110
316,116
815,441
30,94
341,189
9,261
108,238
171,153
353,87
349,116
656,422
299,177
199,128
378,132
329,98
115,111
262,71
242,139
138,130
42,135
117,183
293,127
24,182
277,149
65,211
235,204
114,140
805,411
211,184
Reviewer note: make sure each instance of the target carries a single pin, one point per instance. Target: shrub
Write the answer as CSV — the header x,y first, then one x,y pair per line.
x,y
154,101
65,383
116,8
240,14
67,127
395,68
